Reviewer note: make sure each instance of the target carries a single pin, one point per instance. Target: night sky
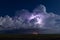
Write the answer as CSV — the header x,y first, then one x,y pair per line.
x,y
50,23
9,7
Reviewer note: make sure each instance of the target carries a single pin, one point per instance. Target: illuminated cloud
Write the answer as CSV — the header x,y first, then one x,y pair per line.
x,y
39,18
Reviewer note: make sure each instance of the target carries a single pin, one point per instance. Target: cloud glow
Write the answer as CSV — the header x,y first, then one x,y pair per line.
x,y
39,18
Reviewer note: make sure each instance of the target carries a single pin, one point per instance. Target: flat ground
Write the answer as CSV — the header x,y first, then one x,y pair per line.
x,y
30,36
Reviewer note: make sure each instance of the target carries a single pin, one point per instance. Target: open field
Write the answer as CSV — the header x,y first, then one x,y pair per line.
x,y
30,36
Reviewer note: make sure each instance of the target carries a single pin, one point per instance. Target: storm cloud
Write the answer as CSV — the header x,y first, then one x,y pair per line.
x,y
50,22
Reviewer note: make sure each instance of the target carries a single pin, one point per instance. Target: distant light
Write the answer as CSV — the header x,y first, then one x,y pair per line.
x,y
34,32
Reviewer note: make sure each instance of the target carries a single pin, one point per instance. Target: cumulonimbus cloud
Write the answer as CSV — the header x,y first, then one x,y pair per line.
x,y
39,18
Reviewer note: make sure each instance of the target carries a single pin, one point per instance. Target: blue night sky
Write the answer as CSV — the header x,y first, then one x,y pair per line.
x,y
50,23
10,7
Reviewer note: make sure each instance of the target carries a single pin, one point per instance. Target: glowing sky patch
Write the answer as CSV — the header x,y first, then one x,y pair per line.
x,y
38,21
34,32
37,17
